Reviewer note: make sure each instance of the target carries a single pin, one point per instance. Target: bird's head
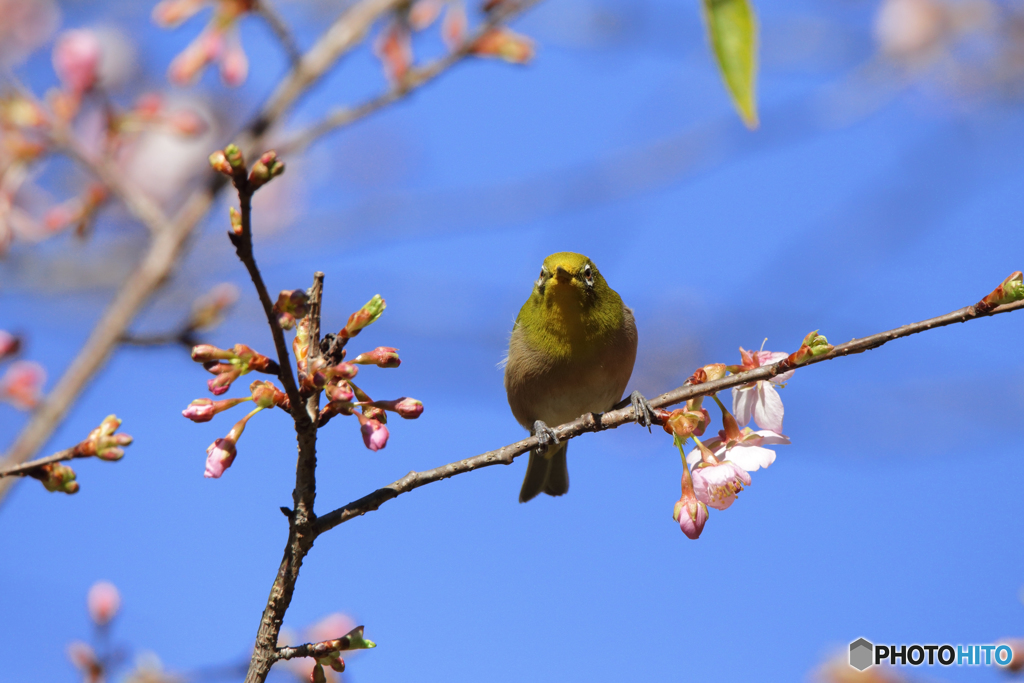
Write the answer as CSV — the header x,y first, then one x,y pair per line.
x,y
569,279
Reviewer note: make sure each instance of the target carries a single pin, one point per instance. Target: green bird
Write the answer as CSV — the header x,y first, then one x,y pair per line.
x,y
571,352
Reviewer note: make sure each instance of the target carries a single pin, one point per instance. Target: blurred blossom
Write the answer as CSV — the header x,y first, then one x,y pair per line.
x,y
117,58
83,658
393,48
22,384
219,42
906,28
103,602
209,309
26,25
76,59
149,669
9,344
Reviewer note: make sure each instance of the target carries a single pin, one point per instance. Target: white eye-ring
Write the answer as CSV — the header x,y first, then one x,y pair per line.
x,y
588,274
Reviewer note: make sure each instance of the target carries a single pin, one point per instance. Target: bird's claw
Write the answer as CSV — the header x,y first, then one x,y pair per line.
x,y
545,436
642,410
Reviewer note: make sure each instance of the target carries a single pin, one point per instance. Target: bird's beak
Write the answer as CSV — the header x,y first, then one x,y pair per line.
x,y
562,275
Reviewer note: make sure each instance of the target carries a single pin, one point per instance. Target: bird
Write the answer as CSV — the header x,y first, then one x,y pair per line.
x,y
571,352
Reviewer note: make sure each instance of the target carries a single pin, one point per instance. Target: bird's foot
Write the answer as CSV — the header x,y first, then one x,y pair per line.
x,y
642,410
545,436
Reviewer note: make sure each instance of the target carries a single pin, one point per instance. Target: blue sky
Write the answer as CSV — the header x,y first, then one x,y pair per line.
x,y
895,514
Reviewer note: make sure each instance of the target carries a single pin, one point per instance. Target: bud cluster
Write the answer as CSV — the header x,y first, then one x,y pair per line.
x,y
102,443
219,42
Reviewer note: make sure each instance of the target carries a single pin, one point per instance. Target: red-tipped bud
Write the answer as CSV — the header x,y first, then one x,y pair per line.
x,y
219,456
267,167
203,409
408,408
234,156
685,423
1011,289
393,48
226,374
266,395
382,357
291,304
103,442
56,477
813,345
343,370
339,391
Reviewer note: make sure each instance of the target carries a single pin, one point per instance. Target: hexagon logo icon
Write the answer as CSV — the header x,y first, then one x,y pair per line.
x,y
861,654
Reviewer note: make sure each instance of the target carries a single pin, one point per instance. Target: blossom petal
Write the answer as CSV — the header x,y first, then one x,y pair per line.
x,y
768,408
717,485
769,437
751,458
743,399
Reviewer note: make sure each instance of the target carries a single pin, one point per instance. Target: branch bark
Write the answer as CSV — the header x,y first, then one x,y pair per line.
x,y
617,418
25,468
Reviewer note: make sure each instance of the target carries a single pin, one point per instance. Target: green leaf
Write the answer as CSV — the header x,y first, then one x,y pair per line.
x,y
732,29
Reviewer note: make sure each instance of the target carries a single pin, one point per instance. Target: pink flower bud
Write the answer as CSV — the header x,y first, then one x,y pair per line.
x,y
266,167
339,391
103,601
83,658
219,163
199,410
424,13
234,64
22,384
408,408
266,395
382,357
170,13
76,59
375,435
226,374
219,456
291,304
691,515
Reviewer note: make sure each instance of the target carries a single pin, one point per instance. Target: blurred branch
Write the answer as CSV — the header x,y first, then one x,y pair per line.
x,y
171,237
269,13
617,418
417,78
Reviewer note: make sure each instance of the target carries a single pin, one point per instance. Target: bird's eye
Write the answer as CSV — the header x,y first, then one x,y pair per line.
x,y
588,275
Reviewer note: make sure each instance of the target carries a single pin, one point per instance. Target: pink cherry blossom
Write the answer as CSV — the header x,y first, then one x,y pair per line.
x,y
76,59
690,512
717,485
26,25
103,602
759,400
746,450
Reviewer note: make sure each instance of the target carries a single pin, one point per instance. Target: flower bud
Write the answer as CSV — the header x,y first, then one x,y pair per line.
x,y
1011,289
219,163
371,411
339,391
318,676
343,370
203,409
714,371
382,357
393,47
291,304
813,345
685,423
219,456
56,477
236,220
365,316
204,353
453,28
103,602
84,658
226,374
375,434
408,408
265,394
234,156
267,167
691,515
334,408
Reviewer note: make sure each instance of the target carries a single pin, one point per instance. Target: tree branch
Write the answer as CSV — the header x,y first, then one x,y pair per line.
x,y
417,78
25,468
269,13
617,418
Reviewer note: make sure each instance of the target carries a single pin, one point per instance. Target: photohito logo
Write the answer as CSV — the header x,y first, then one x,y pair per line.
x,y
864,654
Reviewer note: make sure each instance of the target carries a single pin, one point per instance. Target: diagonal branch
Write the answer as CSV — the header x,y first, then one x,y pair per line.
x,y
617,418
270,15
417,78
27,467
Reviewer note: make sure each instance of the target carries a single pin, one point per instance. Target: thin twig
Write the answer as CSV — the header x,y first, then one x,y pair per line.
x,y
416,79
270,15
617,418
169,239
27,467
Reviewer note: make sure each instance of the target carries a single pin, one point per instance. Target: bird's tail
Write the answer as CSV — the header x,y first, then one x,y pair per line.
x,y
546,473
